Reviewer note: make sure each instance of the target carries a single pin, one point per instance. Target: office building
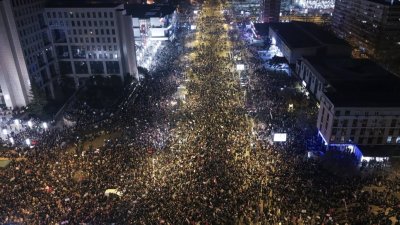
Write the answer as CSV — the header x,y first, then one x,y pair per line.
x,y
91,39
152,22
371,26
358,101
270,10
26,55
248,8
298,39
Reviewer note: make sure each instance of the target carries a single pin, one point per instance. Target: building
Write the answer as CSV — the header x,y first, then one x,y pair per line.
x,y
152,22
298,39
270,10
91,38
26,55
248,8
371,26
358,101
151,25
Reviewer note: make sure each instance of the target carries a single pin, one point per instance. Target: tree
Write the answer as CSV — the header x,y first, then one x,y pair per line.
x,y
38,102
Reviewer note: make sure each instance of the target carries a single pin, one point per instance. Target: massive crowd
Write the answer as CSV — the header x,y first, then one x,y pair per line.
x,y
194,162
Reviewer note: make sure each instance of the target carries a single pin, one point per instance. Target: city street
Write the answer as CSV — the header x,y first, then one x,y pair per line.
x,y
192,145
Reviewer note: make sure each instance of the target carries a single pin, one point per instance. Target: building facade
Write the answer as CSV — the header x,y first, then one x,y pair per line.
x,y
371,26
357,101
270,10
26,54
91,39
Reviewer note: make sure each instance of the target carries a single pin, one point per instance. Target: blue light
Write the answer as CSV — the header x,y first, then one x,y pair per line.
x,y
320,134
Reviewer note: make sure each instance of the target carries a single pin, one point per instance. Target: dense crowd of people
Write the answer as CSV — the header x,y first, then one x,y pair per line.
x,y
192,159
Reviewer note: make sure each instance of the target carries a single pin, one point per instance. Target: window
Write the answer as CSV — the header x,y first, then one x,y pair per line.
x,y
370,140
94,15
347,113
364,122
362,131
337,113
111,15
345,122
354,124
393,123
88,15
379,140
389,139
113,31
335,123
105,15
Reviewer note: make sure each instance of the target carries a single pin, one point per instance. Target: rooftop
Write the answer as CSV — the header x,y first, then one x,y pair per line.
x,y
357,82
147,11
262,28
83,4
304,34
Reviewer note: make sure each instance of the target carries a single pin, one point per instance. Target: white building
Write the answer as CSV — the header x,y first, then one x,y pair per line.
x,y
359,101
91,39
152,22
25,53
